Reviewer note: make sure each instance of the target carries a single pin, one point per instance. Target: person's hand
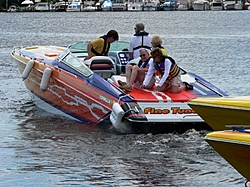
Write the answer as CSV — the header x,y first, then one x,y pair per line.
x,y
157,88
86,58
142,86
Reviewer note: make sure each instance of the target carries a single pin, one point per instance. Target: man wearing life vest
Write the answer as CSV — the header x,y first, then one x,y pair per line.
x,y
141,39
136,73
168,71
100,46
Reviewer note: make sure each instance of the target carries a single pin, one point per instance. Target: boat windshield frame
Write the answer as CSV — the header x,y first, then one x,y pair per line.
x,y
71,61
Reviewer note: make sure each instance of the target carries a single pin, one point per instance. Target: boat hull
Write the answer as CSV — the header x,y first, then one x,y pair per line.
x,y
67,92
222,113
135,7
163,107
234,147
216,5
201,5
198,6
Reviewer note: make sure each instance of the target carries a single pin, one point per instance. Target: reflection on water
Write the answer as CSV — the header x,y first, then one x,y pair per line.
x,y
40,149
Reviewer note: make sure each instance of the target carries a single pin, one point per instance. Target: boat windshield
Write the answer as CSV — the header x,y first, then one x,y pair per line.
x,y
70,60
79,47
82,46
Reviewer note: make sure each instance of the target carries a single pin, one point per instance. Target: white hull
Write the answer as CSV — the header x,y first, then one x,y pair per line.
x,y
43,7
183,7
149,7
229,5
198,6
89,9
107,6
238,6
135,7
201,5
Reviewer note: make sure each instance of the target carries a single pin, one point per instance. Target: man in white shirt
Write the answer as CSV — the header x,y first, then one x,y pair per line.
x,y
140,39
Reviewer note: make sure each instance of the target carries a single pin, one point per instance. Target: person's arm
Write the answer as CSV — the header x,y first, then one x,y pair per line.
x,y
166,72
89,47
131,53
107,54
149,74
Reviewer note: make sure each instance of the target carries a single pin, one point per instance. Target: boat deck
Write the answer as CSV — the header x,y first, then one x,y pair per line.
x,y
43,53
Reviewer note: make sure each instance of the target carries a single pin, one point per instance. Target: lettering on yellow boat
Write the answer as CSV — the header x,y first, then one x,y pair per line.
x,y
173,110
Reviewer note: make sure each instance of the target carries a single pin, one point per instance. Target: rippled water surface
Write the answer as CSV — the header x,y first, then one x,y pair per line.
x,y
39,149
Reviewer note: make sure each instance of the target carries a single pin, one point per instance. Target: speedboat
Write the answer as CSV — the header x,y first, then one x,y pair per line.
x,y
44,7
89,8
118,5
216,5
149,5
62,82
27,6
74,6
222,113
61,6
185,5
201,5
107,5
13,8
134,5
170,5
234,147
228,4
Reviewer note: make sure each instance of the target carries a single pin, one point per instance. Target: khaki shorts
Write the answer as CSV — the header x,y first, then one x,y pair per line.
x,y
176,80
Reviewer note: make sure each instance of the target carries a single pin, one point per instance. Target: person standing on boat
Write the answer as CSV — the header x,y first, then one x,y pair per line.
x,y
141,39
157,42
100,46
168,71
136,73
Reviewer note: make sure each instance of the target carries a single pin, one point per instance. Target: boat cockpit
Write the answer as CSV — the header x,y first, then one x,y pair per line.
x,y
118,53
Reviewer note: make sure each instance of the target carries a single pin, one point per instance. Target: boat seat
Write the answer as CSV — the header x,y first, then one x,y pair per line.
x,y
102,65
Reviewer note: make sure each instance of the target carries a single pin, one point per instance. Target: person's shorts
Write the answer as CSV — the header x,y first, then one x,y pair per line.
x,y
176,80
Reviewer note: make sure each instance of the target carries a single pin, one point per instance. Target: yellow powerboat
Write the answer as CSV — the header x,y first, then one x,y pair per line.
x,y
224,112
234,147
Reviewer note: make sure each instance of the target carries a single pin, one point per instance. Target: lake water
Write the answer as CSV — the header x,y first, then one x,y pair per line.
x,y
39,149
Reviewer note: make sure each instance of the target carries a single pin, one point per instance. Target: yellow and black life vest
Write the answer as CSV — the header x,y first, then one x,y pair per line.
x,y
174,70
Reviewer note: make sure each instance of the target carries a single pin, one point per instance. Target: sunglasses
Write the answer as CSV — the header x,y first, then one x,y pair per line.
x,y
142,55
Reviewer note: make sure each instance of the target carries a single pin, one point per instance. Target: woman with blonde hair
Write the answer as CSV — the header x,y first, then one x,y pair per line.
x,y
157,42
